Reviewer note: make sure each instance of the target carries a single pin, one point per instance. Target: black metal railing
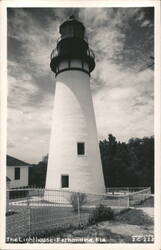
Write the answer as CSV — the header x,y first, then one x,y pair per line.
x,y
55,53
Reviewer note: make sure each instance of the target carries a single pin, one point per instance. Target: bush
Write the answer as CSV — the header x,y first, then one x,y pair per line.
x,y
14,194
101,213
78,199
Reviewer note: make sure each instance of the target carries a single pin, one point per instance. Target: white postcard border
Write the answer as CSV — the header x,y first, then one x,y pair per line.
x,y
83,3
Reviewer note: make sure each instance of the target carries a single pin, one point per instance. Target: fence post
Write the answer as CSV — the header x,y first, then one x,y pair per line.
x,y
28,215
128,200
78,208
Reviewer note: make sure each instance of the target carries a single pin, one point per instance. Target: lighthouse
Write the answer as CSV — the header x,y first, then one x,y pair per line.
x,y
74,158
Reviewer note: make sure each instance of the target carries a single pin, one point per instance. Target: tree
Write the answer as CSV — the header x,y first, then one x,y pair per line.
x,y
37,173
128,164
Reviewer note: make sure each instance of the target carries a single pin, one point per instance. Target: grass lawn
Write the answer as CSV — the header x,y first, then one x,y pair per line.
x,y
40,219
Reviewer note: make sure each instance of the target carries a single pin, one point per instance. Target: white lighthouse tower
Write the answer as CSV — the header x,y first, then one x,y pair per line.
x,y
74,158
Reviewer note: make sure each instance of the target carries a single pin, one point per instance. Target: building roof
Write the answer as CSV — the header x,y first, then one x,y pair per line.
x,y
12,161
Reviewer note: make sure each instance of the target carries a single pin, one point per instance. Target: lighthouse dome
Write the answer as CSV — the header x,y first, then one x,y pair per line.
x,y
72,28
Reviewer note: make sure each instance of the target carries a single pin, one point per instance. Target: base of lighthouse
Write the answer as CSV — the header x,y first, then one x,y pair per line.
x,y
74,159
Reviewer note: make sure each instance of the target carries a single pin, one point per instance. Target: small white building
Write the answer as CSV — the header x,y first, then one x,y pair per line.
x,y
17,172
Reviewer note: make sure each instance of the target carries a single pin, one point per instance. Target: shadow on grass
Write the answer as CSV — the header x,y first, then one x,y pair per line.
x,y
135,217
147,203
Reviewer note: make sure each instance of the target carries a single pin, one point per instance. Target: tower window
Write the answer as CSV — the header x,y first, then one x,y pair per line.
x,y
17,173
65,181
80,148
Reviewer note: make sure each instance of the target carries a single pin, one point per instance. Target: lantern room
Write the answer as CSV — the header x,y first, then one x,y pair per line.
x,y
72,51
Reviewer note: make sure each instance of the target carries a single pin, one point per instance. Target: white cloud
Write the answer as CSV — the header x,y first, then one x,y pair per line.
x,y
19,88
29,131
140,17
125,110
145,23
37,43
28,125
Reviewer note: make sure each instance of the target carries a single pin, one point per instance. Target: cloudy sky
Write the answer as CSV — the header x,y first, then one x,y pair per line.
x,y
122,84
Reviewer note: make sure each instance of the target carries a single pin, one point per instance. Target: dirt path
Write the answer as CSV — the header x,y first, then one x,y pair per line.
x,y
148,210
147,207
138,221
135,222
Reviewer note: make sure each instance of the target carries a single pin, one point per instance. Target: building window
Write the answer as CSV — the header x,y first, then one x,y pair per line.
x,y
17,173
81,148
65,181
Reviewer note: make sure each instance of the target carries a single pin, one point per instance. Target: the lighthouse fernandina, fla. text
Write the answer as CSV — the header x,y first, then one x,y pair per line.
x,y
74,159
